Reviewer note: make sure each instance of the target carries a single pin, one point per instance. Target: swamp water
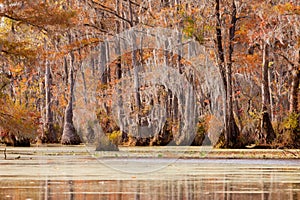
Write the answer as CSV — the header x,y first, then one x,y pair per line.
x,y
47,173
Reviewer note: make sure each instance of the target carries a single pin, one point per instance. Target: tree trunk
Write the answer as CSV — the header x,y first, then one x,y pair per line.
x,y
232,132
225,67
69,136
136,67
295,88
179,51
219,41
119,74
295,91
135,63
294,102
270,92
50,135
267,134
221,63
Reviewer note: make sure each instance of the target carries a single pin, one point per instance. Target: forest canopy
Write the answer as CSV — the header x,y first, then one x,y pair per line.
x,y
252,61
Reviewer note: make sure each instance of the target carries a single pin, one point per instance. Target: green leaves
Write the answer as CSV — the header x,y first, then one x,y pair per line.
x,y
192,28
291,122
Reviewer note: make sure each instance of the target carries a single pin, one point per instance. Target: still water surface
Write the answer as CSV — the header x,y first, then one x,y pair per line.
x,y
83,177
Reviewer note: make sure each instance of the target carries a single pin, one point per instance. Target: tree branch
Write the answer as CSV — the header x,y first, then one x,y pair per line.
x,y
96,27
110,11
285,58
144,8
24,21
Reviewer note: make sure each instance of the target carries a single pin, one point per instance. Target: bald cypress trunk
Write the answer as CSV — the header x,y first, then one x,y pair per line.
x,y
50,135
295,87
69,133
267,134
294,103
225,63
69,136
233,131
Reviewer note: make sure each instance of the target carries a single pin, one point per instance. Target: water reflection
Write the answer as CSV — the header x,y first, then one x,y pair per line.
x,y
259,185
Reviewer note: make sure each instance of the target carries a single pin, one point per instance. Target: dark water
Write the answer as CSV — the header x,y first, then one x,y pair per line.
x,y
82,178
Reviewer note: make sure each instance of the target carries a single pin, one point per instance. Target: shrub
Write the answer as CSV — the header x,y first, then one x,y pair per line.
x,y
115,137
18,121
291,133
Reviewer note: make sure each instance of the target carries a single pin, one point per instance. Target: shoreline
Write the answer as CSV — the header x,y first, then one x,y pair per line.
x,y
182,152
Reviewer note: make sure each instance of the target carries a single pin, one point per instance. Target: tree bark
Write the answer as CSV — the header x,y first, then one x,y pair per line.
x,y
294,102
135,63
295,88
233,131
221,64
219,41
225,67
267,134
119,74
136,67
295,91
69,136
50,135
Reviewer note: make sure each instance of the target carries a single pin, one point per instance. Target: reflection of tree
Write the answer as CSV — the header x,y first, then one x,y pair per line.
x,y
230,185
47,189
119,189
227,188
71,185
137,195
294,194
